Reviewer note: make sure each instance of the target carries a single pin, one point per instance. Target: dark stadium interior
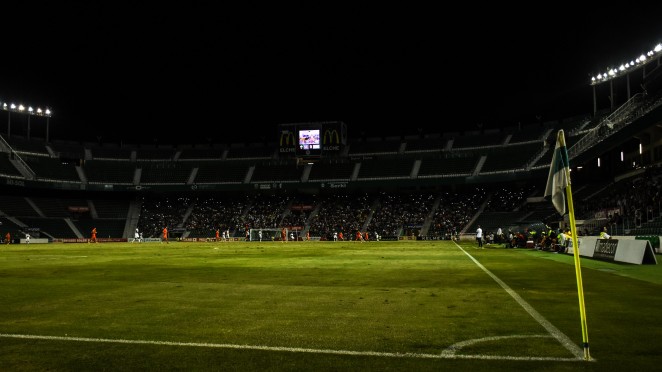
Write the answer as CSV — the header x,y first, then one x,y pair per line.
x,y
165,121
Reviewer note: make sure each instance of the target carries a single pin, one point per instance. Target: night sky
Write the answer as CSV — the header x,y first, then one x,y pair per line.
x,y
195,73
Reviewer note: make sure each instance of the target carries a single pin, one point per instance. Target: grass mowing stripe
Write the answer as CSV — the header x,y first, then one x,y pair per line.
x,y
555,332
286,349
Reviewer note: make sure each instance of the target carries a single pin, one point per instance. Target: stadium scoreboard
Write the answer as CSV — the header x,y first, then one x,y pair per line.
x,y
312,140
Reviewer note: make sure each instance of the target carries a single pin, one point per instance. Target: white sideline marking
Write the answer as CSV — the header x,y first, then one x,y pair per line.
x,y
54,256
555,332
287,349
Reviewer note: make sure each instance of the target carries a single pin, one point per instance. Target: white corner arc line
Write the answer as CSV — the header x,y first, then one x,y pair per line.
x,y
451,350
555,332
286,349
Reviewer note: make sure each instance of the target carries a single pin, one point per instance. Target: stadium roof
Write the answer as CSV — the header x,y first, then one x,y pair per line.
x,y
200,72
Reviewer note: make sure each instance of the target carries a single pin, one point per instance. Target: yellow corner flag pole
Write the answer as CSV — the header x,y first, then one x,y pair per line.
x,y
575,250
578,274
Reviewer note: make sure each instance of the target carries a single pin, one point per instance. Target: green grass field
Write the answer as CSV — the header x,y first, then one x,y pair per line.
x,y
320,306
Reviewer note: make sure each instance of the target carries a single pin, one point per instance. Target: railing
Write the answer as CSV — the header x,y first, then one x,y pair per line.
x,y
25,168
634,108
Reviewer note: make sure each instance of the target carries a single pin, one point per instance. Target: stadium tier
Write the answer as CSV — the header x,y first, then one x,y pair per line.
x,y
436,185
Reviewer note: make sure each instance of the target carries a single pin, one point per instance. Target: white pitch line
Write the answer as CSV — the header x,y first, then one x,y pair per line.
x,y
451,350
555,332
286,349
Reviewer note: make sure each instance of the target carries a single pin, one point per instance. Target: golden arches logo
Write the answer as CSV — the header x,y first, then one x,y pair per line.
x,y
287,137
329,133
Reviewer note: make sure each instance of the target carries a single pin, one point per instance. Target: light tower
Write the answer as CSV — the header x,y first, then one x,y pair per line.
x,y
29,111
611,73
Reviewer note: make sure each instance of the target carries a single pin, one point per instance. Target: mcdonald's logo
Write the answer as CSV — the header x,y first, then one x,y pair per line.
x,y
329,133
287,137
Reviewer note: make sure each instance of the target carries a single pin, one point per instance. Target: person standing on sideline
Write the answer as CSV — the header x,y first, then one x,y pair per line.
x,y
335,236
308,235
165,235
604,234
7,238
283,235
259,234
136,236
479,237
93,238
218,236
27,238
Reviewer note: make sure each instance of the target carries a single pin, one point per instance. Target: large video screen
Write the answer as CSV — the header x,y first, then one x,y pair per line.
x,y
309,139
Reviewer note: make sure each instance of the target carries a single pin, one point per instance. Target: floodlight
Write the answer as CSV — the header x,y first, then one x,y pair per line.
x,y
29,110
640,61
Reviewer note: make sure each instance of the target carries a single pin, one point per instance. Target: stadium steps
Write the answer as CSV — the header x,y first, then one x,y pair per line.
x,y
81,174
188,212
4,145
415,169
477,214
536,157
355,172
286,211
14,220
73,228
191,178
306,172
51,153
373,208
22,166
136,176
479,166
249,174
311,217
34,206
430,217
132,217
93,209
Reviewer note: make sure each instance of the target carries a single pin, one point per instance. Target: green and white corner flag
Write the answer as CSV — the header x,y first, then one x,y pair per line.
x,y
558,180
558,187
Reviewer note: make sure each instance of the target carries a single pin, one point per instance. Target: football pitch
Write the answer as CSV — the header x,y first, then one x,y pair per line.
x,y
311,306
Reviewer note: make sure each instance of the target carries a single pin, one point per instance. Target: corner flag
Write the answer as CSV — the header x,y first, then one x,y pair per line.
x,y
557,181
558,187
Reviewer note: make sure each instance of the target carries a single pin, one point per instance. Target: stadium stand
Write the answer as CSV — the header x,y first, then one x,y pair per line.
x,y
24,146
52,168
374,146
366,186
7,168
234,171
114,153
109,172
